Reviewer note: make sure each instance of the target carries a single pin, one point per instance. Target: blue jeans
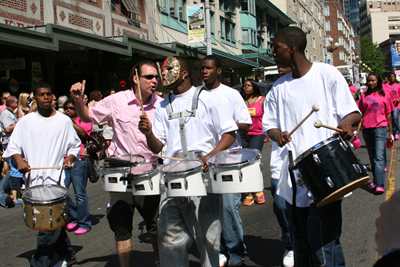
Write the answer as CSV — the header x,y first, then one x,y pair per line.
x,y
280,213
5,186
395,119
316,240
50,242
252,141
78,213
375,139
184,220
232,230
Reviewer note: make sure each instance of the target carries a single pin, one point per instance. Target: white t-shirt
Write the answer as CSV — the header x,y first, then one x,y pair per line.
x,y
236,105
291,100
202,131
44,142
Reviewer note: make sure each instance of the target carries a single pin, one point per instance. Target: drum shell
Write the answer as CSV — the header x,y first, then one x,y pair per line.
x,y
331,170
111,178
147,184
38,214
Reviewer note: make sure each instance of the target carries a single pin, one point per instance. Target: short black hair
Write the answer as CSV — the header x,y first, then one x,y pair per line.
x,y
69,101
217,60
40,85
293,36
185,64
139,66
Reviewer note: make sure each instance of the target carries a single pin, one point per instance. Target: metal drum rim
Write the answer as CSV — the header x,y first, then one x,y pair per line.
x,y
150,173
315,148
230,165
47,201
192,170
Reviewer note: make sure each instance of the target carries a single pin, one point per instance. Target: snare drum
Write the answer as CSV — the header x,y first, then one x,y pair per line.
x,y
184,178
115,172
330,170
45,207
145,179
236,171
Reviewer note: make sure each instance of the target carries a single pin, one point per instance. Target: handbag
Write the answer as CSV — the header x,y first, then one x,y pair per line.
x,y
95,143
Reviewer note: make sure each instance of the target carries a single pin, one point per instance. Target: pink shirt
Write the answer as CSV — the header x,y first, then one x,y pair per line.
x,y
256,112
88,129
374,108
124,111
353,89
393,90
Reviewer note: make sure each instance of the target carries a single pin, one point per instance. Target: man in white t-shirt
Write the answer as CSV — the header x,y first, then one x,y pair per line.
x,y
232,246
186,219
315,232
45,137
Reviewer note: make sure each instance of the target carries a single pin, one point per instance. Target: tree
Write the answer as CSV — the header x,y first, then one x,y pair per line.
x,y
371,55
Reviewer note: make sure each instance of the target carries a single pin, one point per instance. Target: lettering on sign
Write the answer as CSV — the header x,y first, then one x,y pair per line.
x,y
12,64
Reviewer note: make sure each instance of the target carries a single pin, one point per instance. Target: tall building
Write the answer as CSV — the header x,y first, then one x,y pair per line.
x,y
352,13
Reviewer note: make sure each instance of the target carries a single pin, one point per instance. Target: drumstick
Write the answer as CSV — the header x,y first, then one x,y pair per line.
x,y
319,124
315,108
140,93
58,167
165,157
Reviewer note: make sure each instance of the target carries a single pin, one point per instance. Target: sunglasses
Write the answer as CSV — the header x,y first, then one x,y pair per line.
x,y
71,108
150,77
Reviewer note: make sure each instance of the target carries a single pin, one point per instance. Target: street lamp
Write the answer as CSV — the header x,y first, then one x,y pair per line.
x,y
329,46
309,27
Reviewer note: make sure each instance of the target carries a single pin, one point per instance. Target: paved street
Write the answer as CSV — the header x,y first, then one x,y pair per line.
x,y
262,233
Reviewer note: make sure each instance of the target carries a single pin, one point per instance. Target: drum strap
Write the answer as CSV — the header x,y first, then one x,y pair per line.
x,y
294,186
182,115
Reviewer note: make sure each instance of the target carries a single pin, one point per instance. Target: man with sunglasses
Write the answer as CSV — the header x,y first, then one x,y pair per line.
x,y
123,110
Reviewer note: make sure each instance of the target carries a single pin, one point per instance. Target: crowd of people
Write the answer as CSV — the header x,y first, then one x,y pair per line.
x,y
138,121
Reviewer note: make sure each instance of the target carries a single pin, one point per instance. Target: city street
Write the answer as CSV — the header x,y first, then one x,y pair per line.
x,y
261,230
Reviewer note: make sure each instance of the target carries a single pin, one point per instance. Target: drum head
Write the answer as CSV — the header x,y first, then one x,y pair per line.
x,y
44,193
123,160
234,156
145,168
182,166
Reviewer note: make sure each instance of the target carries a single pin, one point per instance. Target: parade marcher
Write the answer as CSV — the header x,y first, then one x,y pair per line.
x,y
233,248
123,110
78,215
288,103
45,137
393,88
184,220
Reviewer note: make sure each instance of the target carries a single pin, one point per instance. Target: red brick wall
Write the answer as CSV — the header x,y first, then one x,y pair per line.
x,y
80,21
20,5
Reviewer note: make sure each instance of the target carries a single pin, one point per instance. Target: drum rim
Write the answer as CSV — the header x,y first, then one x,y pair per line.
x,y
183,172
316,147
150,173
25,198
243,163
115,168
118,156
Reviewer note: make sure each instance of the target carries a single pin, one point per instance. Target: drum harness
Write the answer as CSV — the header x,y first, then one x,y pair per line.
x,y
181,116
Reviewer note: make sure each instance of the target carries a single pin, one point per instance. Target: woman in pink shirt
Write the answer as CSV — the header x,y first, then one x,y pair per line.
x,y
376,107
254,138
393,88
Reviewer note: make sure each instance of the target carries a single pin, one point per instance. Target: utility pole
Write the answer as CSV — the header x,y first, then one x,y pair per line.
x,y
208,27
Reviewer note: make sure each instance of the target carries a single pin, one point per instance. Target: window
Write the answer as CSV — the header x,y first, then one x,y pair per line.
x,y
227,31
340,26
327,25
341,55
120,6
246,6
340,40
176,8
313,42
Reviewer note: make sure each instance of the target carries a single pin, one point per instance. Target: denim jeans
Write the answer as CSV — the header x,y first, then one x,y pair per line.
x,y
252,141
375,139
232,230
316,240
78,213
5,186
395,119
50,242
184,220
279,207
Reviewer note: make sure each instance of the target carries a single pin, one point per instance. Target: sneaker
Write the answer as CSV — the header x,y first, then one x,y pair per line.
x,y
71,226
288,258
248,201
17,202
260,199
80,231
65,263
379,190
372,185
222,260
396,137
235,260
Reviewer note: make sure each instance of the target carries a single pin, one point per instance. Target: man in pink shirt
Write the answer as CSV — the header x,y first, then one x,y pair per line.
x,y
124,111
353,88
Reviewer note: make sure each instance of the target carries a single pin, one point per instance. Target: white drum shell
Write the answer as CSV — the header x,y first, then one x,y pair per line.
x,y
184,185
146,185
111,179
227,179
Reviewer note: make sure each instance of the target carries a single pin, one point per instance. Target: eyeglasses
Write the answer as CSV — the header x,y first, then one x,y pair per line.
x,y
150,77
71,108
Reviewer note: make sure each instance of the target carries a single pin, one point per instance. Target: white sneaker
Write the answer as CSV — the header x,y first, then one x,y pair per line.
x,y
235,260
288,258
65,263
222,260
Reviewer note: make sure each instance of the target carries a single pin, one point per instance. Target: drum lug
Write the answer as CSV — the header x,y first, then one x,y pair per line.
x,y
357,168
329,182
186,184
24,216
151,184
33,211
33,222
316,159
343,145
51,210
310,196
261,167
51,223
213,171
65,216
240,176
299,182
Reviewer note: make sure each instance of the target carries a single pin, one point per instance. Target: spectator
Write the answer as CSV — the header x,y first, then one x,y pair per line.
x,y
3,100
16,180
85,99
61,100
23,101
254,138
393,89
9,119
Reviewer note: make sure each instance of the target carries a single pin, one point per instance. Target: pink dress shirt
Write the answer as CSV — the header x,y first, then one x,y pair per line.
x,y
124,110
